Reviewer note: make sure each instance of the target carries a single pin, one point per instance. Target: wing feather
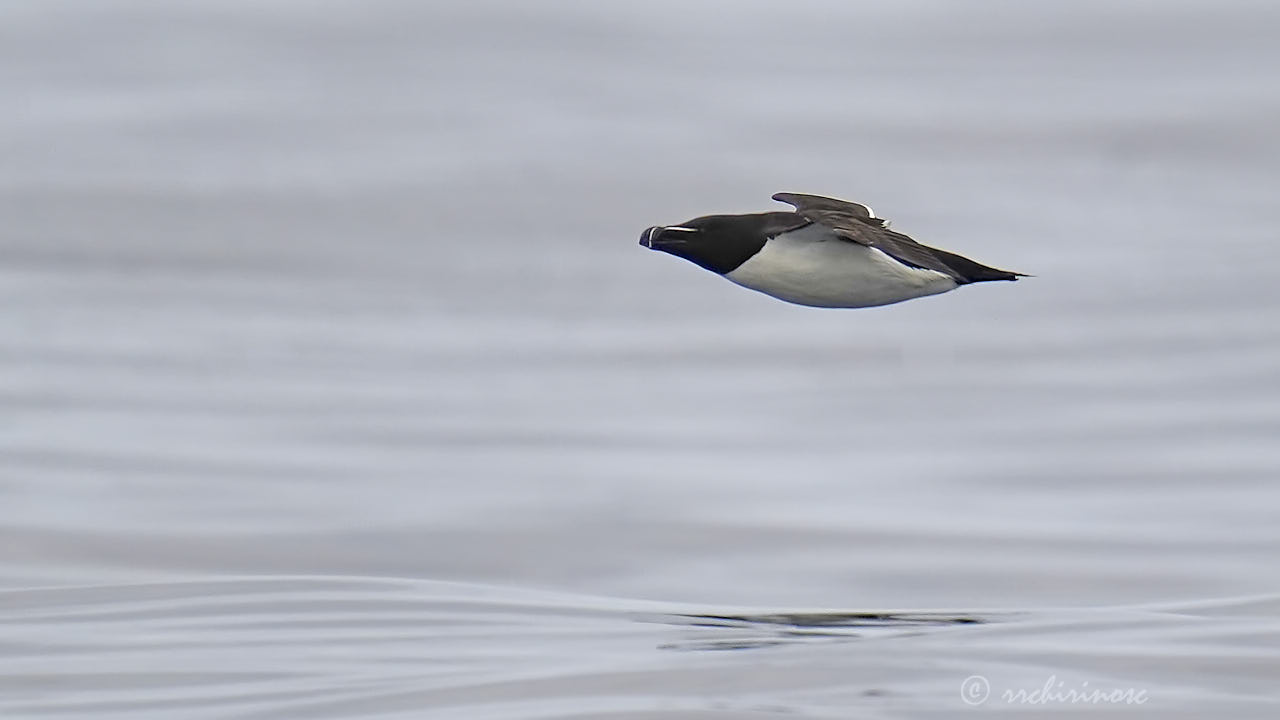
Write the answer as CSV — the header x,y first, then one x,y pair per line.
x,y
856,223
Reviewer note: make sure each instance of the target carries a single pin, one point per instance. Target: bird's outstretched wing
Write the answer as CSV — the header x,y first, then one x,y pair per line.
x,y
829,208
856,223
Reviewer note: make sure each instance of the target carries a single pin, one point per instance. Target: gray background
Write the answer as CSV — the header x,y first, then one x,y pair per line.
x,y
325,329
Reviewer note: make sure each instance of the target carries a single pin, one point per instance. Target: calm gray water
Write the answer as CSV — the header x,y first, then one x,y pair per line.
x,y
333,383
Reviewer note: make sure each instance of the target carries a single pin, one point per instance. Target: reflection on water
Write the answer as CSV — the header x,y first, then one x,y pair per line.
x,y
746,631
334,384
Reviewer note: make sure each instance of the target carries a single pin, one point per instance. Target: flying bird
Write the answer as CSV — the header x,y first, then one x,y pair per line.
x,y
827,253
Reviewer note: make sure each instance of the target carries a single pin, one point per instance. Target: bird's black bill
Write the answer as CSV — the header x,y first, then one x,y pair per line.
x,y
646,237
659,238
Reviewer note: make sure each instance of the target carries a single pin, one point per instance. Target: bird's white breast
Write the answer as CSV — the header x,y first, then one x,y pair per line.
x,y
811,266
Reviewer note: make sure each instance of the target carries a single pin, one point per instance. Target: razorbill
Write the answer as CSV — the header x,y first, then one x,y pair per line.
x,y
828,253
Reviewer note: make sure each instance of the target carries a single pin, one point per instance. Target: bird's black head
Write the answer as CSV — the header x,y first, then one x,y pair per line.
x,y
720,243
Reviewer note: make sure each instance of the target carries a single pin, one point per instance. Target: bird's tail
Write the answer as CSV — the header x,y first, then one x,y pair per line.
x,y
972,272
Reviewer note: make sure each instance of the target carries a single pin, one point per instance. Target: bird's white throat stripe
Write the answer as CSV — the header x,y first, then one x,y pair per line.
x,y
811,266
